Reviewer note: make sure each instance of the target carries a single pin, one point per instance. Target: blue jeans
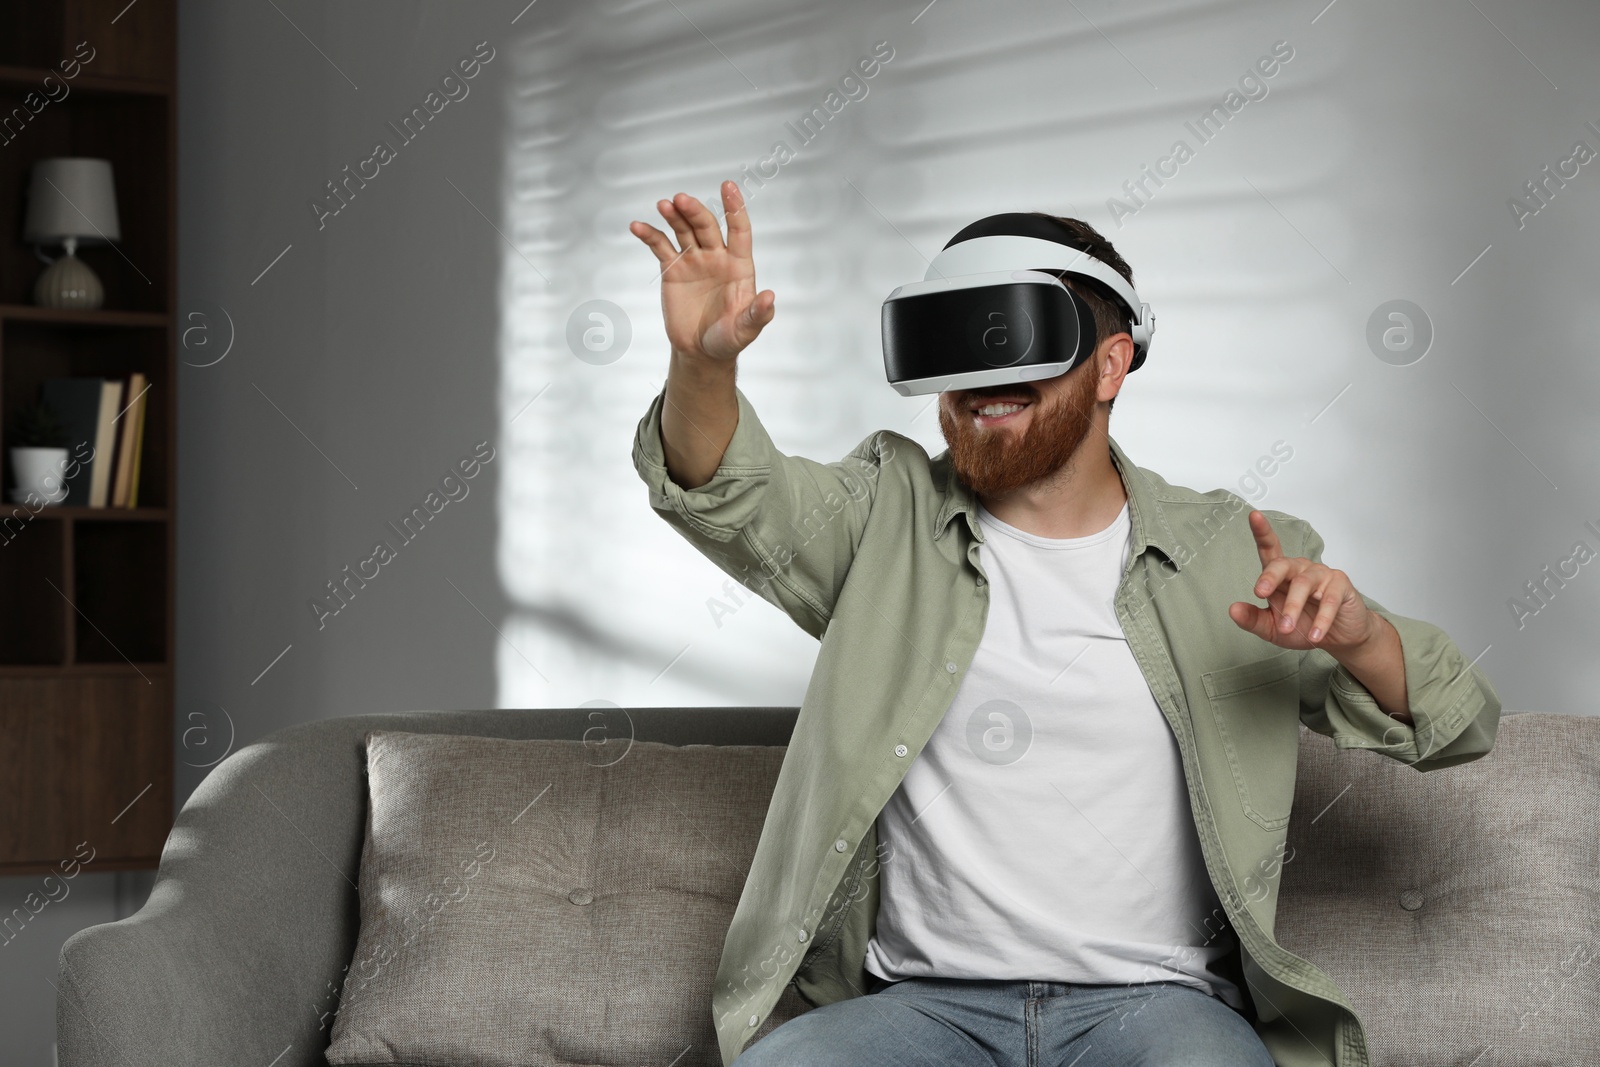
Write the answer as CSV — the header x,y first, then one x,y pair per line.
x,y
954,1022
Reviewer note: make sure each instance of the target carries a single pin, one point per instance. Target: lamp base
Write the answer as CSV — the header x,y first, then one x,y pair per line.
x,y
68,283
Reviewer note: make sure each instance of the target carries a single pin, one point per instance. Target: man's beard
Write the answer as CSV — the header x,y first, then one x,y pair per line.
x,y
996,461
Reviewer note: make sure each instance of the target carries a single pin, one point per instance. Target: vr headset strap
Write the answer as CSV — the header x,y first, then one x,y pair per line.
x,y
1002,252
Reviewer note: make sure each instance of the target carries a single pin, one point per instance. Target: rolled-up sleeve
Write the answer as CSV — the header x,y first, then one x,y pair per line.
x,y
1454,708
784,526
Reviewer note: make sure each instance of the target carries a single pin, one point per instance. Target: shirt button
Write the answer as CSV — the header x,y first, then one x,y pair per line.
x,y
980,579
802,935
840,845
901,750
951,667
754,1019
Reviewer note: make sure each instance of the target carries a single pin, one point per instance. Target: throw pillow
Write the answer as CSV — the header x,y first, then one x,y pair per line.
x,y
551,902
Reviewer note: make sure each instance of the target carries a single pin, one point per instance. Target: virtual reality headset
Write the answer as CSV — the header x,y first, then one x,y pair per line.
x,y
986,314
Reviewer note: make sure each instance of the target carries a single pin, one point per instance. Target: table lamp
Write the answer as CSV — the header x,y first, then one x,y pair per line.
x,y
70,200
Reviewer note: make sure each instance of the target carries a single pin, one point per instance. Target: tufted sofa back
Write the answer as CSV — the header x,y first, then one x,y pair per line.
x,y
1459,909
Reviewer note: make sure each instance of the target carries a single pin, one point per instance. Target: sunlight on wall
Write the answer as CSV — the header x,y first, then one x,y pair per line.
x,y
1262,250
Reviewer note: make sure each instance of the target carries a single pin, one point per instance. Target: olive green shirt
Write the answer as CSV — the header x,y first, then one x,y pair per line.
x,y
867,555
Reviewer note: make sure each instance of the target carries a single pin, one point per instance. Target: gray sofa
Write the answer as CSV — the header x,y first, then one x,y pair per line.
x,y
1466,900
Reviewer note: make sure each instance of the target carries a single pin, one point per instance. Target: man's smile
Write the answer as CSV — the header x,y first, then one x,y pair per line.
x,y
997,409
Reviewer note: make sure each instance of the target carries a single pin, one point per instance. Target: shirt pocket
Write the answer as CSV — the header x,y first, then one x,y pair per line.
x,y
1256,709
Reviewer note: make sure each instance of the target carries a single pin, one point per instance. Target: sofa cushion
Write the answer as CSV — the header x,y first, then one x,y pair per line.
x,y
553,902
1459,909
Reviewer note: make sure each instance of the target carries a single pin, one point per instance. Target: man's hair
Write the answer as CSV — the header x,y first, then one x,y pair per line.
x,y
1110,317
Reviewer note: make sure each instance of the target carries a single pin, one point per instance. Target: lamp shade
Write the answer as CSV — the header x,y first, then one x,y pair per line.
x,y
71,197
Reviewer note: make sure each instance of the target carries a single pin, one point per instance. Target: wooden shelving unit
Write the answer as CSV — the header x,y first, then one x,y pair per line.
x,y
86,594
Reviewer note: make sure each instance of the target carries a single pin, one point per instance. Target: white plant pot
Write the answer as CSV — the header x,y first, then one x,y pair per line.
x,y
40,472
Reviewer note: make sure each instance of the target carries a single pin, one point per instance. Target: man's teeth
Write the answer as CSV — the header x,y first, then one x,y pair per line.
x,y
999,409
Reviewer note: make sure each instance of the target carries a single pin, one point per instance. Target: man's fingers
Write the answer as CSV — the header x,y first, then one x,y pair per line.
x,y
1273,576
656,240
1249,617
1300,587
754,318
1332,596
707,231
738,219
680,225
1267,546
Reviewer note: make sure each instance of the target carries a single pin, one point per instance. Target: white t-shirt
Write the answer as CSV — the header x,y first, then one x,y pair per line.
x,y
1044,831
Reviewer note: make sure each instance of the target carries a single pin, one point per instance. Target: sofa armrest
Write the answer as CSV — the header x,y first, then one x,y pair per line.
x,y
254,908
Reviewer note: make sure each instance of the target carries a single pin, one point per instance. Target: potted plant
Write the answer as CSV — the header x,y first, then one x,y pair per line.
x,y
38,455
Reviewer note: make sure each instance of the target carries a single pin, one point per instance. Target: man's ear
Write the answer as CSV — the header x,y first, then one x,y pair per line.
x,y
1116,356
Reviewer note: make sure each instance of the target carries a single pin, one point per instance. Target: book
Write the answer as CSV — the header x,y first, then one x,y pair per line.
x,y
76,402
128,431
138,451
105,442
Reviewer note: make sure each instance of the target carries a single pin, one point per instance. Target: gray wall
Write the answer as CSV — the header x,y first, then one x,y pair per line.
x,y
429,312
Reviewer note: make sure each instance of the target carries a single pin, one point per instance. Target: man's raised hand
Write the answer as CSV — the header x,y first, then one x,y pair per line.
x,y
708,287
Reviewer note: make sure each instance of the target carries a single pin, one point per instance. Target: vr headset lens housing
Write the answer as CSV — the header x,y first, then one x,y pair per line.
x,y
983,329
987,314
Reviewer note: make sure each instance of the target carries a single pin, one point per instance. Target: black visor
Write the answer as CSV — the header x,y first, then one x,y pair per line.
x,y
1036,328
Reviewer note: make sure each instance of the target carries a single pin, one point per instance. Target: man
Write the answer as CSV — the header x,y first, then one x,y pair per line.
x,y
1035,803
